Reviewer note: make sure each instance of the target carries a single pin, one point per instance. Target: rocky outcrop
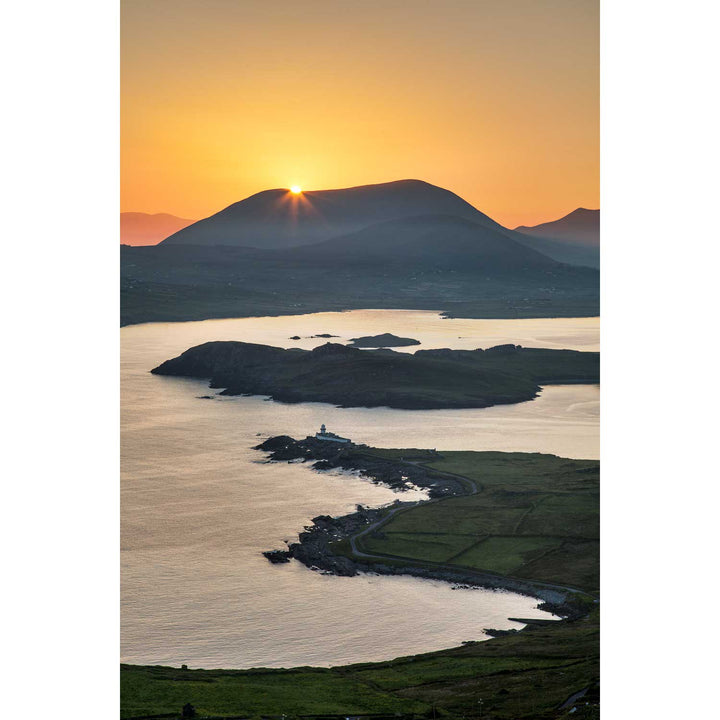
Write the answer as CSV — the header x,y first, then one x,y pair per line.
x,y
386,340
397,475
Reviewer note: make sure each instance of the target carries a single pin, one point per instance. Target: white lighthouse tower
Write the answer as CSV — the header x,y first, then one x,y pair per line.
x,y
324,434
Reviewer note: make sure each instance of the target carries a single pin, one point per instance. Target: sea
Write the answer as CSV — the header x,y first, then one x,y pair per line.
x,y
199,505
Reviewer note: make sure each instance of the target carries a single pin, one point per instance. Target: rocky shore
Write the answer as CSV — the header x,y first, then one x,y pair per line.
x,y
329,456
317,546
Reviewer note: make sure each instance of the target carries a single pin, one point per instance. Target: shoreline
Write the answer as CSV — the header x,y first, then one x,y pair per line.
x,y
554,662
317,545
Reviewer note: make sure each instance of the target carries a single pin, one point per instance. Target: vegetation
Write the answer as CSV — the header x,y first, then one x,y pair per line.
x,y
521,675
535,517
352,377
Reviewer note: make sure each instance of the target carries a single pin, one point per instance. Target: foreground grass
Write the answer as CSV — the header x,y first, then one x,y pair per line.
x,y
523,675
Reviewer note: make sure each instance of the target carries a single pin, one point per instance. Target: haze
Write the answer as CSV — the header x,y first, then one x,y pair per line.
x,y
496,100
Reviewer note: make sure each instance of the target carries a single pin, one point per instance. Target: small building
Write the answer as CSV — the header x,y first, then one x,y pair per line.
x,y
324,434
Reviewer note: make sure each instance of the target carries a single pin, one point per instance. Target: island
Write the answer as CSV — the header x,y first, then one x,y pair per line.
x,y
385,340
521,521
350,377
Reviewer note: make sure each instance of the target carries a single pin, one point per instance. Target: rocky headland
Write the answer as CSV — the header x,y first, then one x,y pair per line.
x,y
318,545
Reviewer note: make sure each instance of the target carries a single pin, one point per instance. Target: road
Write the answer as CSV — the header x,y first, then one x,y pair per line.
x,y
445,566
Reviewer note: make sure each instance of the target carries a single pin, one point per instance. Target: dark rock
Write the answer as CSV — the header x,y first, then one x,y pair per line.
x,y
277,556
385,340
499,633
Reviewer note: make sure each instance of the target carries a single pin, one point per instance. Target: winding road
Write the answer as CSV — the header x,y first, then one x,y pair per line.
x,y
483,575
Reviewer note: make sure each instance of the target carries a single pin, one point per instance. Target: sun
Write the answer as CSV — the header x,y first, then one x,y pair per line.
x,y
295,189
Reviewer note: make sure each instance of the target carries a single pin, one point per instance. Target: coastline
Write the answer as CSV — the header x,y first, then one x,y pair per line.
x,y
546,665
319,544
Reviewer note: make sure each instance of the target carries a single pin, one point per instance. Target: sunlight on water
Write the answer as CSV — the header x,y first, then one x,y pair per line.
x,y
199,505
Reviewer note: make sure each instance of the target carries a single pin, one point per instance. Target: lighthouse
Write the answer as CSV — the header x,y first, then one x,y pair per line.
x,y
324,434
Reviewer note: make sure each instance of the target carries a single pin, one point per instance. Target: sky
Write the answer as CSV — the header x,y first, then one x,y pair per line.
x,y
496,100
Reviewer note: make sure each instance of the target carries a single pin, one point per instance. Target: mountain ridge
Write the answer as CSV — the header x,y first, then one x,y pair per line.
x,y
581,226
573,238
278,218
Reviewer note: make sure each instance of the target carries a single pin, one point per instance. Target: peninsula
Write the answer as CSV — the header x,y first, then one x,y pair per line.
x,y
350,377
521,521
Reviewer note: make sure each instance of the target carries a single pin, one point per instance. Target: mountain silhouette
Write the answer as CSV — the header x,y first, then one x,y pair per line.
x,y
404,244
280,219
439,242
574,238
137,228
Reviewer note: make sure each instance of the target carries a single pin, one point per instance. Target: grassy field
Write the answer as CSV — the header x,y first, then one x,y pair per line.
x,y
523,675
534,517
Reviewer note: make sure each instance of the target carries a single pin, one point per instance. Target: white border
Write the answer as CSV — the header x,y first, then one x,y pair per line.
x,y
60,357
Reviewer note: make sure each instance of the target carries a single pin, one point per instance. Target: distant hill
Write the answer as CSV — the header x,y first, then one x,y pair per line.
x,y
581,227
429,242
138,228
573,239
279,219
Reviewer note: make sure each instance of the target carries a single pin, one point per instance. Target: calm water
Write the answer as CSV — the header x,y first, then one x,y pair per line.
x,y
199,505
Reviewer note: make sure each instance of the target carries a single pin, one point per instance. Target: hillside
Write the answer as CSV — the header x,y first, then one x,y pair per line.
x,y
581,227
573,239
428,241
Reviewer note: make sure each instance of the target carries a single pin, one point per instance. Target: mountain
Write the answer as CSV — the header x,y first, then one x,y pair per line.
x,y
429,242
405,244
280,219
573,239
138,228
581,227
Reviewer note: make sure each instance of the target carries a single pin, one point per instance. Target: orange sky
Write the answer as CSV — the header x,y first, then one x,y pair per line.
x,y
496,100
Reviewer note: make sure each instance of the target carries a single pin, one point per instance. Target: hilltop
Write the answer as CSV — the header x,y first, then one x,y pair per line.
x,y
581,227
279,219
574,238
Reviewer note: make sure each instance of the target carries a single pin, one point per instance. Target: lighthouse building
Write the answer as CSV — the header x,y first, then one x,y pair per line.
x,y
325,434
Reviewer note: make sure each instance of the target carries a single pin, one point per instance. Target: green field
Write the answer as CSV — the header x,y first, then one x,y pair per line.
x,y
534,517
525,675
